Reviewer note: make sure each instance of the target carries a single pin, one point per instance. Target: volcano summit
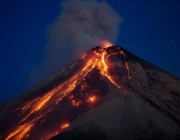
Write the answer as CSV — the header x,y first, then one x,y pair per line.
x,y
110,87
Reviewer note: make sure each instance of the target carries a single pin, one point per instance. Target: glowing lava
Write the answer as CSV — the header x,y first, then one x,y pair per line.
x,y
20,132
64,126
104,69
92,99
33,111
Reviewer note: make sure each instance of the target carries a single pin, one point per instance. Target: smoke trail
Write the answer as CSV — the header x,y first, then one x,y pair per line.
x,y
79,27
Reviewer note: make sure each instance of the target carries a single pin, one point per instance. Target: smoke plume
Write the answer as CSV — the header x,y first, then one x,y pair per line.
x,y
79,27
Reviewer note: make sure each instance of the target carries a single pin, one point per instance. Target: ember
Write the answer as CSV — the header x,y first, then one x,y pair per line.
x,y
64,126
92,99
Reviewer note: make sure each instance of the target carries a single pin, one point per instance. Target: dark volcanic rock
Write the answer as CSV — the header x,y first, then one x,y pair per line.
x,y
149,110
130,99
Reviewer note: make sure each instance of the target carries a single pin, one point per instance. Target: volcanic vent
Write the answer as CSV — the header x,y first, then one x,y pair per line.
x,y
52,105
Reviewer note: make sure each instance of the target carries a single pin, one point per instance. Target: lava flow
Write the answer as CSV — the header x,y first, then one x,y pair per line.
x,y
34,113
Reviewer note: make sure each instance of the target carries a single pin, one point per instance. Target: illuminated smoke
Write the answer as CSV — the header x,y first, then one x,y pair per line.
x,y
79,27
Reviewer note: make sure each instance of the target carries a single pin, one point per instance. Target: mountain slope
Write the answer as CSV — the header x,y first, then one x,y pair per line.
x,y
108,86
151,105
128,117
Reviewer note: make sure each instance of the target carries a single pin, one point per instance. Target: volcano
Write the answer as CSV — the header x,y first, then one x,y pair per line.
x,y
110,87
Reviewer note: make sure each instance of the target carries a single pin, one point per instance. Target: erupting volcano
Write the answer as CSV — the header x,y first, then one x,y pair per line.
x,y
106,79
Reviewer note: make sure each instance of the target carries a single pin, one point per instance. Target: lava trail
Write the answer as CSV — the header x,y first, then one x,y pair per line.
x,y
34,111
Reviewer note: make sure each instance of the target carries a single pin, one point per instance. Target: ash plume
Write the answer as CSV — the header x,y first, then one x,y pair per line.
x,y
79,27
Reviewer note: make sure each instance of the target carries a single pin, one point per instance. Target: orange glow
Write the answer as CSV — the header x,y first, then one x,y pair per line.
x,y
33,111
40,105
20,132
92,99
127,67
104,70
64,126
83,56
105,43
76,103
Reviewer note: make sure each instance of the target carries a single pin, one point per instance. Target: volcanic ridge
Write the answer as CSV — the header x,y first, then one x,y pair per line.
x,y
110,87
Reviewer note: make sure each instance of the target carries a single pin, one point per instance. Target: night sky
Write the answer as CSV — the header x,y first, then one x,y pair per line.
x,y
150,30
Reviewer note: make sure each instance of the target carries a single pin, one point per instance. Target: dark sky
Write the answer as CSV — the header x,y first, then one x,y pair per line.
x,y
150,30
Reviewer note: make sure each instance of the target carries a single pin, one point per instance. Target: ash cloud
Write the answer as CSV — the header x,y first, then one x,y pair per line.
x,y
79,27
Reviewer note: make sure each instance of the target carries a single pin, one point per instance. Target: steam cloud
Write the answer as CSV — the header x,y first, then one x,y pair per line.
x,y
79,27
